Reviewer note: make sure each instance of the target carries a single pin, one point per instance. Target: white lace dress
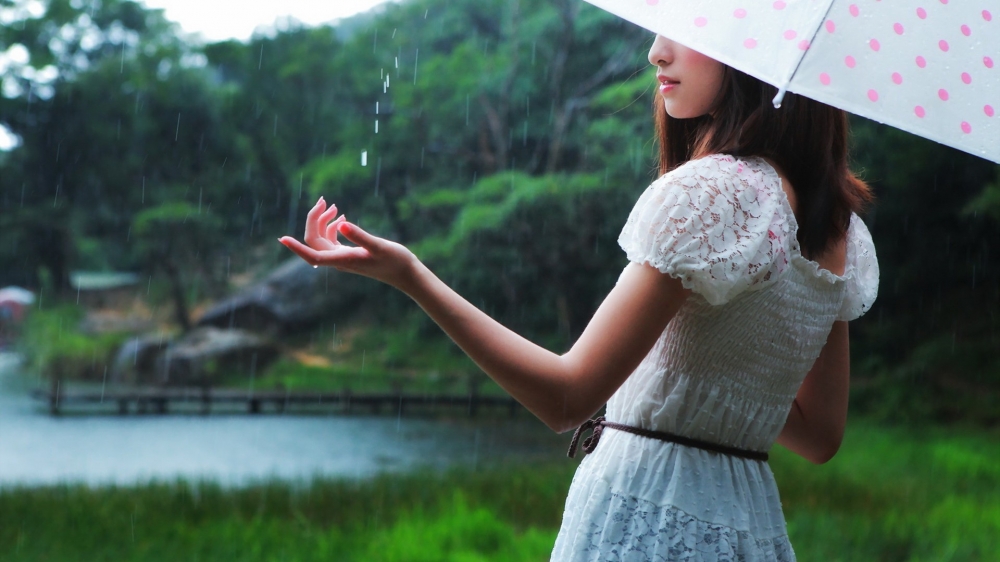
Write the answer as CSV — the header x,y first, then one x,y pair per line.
x,y
725,370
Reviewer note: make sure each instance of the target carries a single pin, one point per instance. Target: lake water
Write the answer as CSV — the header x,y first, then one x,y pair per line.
x,y
37,448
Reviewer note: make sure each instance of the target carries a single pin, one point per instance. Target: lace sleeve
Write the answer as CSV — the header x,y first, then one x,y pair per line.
x,y
862,272
714,224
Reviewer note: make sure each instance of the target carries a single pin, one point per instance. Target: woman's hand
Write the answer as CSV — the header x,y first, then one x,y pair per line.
x,y
373,257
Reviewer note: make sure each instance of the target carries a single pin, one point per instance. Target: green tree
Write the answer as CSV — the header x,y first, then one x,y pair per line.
x,y
180,240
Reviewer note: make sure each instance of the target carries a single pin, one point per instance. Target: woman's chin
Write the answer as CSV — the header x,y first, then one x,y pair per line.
x,y
680,111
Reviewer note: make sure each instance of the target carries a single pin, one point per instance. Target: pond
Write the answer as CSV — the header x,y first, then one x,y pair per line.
x,y
37,448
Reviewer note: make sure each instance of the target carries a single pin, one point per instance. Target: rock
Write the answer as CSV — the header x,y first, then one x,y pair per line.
x,y
204,355
136,358
292,298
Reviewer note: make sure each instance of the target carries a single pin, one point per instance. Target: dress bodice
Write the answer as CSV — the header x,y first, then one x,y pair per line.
x,y
729,364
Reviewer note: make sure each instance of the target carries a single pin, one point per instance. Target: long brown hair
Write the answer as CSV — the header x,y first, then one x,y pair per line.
x,y
805,138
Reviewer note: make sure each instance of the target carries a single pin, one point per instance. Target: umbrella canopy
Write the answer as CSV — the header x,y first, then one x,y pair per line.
x,y
930,67
16,295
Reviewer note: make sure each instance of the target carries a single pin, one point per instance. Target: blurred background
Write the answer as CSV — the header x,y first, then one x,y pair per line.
x,y
174,386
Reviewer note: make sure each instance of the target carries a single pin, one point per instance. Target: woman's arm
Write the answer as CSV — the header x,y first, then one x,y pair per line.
x,y
815,425
562,390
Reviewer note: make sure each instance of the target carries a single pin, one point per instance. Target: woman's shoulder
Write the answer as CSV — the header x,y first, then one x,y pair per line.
x,y
727,180
713,222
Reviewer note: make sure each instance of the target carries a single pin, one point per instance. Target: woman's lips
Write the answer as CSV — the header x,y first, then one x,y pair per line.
x,y
666,83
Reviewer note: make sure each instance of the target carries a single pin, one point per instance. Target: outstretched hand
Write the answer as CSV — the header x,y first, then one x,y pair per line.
x,y
372,256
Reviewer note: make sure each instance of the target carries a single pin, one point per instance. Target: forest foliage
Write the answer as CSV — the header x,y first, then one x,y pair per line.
x,y
503,140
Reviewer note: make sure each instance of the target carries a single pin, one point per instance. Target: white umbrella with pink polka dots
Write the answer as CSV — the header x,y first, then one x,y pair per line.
x,y
930,67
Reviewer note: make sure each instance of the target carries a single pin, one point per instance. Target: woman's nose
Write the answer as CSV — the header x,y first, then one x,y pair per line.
x,y
662,51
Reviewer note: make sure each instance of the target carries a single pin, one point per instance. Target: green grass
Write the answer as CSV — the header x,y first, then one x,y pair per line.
x,y
379,359
290,375
892,493
896,493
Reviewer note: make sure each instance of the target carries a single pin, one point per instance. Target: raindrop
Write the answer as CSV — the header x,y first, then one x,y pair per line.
x,y
315,267
177,131
416,59
375,42
364,158
376,126
393,33
260,61
376,108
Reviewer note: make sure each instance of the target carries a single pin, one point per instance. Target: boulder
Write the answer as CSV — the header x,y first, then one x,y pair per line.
x,y
136,358
292,298
204,355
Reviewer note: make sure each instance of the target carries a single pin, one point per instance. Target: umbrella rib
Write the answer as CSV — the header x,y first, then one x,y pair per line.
x,y
784,87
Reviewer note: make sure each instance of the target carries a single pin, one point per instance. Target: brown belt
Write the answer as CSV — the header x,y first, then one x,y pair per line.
x,y
597,425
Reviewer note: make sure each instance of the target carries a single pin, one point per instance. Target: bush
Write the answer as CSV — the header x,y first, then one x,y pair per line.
x,y
54,346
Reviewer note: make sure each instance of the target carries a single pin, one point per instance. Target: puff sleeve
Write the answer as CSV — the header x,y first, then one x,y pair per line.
x,y
861,273
715,224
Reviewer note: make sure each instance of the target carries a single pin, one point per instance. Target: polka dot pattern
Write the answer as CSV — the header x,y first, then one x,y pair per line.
x,y
926,66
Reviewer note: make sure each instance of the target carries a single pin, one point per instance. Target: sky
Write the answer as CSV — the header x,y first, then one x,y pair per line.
x,y
216,20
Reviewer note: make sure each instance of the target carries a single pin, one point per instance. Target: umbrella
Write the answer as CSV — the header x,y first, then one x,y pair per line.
x,y
16,295
930,67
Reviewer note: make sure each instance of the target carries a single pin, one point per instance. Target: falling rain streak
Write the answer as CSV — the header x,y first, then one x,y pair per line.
x,y
416,59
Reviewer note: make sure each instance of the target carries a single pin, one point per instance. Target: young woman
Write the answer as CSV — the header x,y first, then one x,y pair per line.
x,y
726,332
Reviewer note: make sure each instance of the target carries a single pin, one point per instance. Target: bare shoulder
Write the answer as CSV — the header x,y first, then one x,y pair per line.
x,y
834,259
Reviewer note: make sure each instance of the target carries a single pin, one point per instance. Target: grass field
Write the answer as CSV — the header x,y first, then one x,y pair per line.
x,y
891,494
